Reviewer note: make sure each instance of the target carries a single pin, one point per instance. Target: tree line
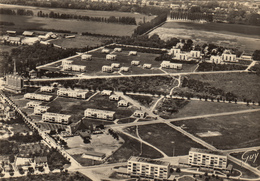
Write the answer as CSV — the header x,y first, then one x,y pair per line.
x,y
21,12
191,16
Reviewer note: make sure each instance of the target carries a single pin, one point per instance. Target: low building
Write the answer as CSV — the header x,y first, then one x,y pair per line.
x,y
207,158
67,62
139,113
106,92
73,67
216,59
148,168
181,56
114,97
169,65
47,89
229,57
40,109
72,93
107,68
33,104
40,161
11,33
132,53
105,50
115,65
40,97
56,118
147,65
135,62
23,163
99,114
124,69
94,155
122,103
195,54
86,57
111,57
28,33
174,51
117,49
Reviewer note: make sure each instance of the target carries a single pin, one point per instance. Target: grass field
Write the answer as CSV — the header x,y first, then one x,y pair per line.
x,y
172,139
243,85
238,131
126,120
25,22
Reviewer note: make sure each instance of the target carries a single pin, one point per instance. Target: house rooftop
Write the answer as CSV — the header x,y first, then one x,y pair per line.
x,y
148,160
41,159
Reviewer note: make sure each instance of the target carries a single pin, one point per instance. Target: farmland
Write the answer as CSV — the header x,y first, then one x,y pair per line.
x,y
238,131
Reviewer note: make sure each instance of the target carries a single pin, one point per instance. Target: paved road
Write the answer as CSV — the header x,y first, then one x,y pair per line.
x,y
251,65
241,149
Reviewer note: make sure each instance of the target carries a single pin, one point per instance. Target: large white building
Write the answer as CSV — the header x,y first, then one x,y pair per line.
x,y
174,51
107,68
40,109
56,118
145,167
135,62
111,57
86,57
100,114
229,57
72,93
47,89
216,59
73,67
33,104
195,54
40,97
207,158
169,65
182,56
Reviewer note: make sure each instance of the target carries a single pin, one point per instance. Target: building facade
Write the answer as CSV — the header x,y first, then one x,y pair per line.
x,y
132,53
181,56
216,59
14,83
47,89
107,68
73,67
229,57
110,57
195,54
56,118
40,109
40,97
33,104
72,93
100,114
169,65
86,57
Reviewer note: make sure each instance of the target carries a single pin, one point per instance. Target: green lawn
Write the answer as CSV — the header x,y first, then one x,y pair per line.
x,y
238,131
126,120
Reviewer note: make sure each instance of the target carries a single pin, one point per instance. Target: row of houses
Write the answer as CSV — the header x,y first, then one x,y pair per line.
x,y
40,97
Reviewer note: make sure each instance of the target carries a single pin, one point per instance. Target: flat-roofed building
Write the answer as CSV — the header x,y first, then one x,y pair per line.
x,y
11,33
86,57
195,54
40,109
99,114
169,65
28,33
132,53
106,92
107,68
33,104
72,93
47,89
139,113
229,57
124,69
111,57
56,118
105,50
73,67
216,59
114,97
117,49
67,62
182,56
174,51
115,65
147,65
207,158
40,97
148,168
94,155
122,103
135,62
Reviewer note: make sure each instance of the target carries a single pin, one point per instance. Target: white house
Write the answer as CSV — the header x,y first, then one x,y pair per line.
x,y
100,114
106,92
181,56
117,49
216,59
56,118
115,65
73,67
122,103
40,97
94,155
47,89
111,57
107,68
169,65
132,53
105,50
33,104
139,113
135,62
195,54
86,57
174,51
23,163
72,93
124,69
147,65
67,62
114,97
40,109
229,57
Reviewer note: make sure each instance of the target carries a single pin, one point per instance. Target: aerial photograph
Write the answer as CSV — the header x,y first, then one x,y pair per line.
x,y
129,90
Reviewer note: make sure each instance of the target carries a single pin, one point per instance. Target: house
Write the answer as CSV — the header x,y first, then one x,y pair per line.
x,y
28,33
105,50
33,104
117,49
40,109
67,62
111,57
23,163
229,57
94,155
216,59
40,97
132,53
122,103
11,33
181,56
115,65
56,118
73,67
149,168
106,92
114,97
86,57
47,89
174,51
14,40
72,93
169,65
124,69
99,114
195,54
135,62
107,68
139,113
147,65
207,158
40,162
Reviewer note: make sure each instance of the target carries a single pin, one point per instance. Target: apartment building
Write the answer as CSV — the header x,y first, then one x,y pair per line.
x,y
111,57
216,59
56,118
195,54
73,67
148,168
72,93
107,68
207,158
174,51
169,65
47,89
40,109
40,97
100,114
86,57
229,57
182,56
33,104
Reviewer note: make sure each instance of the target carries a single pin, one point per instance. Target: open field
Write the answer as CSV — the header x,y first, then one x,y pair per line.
x,y
238,131
25,23
173,141
244,85
226,35
126,120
